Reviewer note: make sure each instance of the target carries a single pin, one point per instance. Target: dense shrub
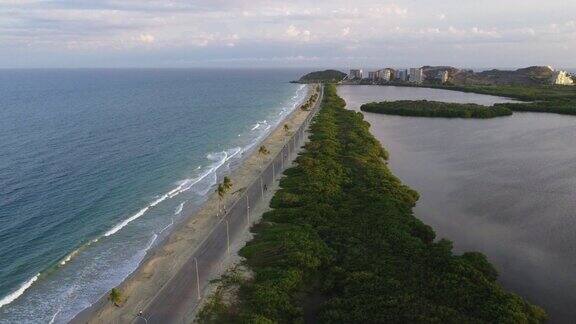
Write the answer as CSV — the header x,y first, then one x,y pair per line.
x,y
341,234
424,108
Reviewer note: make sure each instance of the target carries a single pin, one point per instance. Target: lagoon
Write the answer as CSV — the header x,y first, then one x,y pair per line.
x,y
505,187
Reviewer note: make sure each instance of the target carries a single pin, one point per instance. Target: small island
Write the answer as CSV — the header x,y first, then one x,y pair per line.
x,y
425,108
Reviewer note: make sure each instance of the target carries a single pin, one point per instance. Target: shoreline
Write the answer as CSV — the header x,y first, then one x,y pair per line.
x,y
164,261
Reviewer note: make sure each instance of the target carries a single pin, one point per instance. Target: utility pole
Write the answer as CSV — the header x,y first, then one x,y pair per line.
x,y
227,239
247,211
197,278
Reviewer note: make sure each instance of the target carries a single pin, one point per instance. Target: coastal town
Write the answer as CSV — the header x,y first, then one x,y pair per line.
x,y
451,75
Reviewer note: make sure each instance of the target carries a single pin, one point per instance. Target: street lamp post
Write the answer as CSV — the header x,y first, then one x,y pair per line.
x,y
247,211
227,238
197,278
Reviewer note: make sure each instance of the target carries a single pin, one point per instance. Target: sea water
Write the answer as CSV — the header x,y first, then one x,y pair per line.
x,y
96,167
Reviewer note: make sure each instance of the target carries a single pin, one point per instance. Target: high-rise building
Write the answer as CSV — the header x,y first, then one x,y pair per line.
x,y
442,76
402,75
385,74
562,78
416,75
355,74
373,75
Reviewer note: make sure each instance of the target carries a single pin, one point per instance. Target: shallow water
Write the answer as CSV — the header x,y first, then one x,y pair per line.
x,y
97,165
504,186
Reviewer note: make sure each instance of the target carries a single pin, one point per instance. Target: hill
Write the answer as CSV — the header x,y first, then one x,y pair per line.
x,y
534,75
326,76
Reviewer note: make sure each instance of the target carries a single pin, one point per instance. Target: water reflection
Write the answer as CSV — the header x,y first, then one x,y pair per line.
x,y
504,186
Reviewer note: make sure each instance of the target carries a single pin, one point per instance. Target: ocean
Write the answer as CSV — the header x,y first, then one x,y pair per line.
x,y
97,166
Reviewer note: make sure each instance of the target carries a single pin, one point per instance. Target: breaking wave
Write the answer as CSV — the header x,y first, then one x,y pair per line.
x,y
18,292
201,185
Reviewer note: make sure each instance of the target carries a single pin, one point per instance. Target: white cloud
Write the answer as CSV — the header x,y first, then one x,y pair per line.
x,y
345,31
292,31
297,33
232,26
146,38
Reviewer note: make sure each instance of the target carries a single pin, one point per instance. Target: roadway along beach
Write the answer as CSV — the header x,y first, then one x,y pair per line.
x,y
164,286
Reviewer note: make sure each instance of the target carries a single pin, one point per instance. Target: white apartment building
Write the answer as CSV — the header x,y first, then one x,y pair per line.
x,y
416,75
562,78
355,74
385,75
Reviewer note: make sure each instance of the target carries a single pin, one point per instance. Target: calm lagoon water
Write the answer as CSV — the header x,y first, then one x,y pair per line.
x,y
97,165
504,186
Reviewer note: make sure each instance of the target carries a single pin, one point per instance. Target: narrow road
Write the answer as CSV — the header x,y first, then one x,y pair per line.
x,y
177,300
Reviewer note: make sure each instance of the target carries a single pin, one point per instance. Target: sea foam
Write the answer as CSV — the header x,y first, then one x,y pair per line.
x,y
18,292
219,158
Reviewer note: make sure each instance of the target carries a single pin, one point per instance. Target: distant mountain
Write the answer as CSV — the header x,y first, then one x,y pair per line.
x,y
323,76
533,75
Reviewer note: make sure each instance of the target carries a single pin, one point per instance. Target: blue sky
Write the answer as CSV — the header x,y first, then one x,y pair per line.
x,y
258,33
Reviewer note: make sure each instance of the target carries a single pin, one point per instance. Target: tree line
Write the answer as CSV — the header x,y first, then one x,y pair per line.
x,y
544,98
425,108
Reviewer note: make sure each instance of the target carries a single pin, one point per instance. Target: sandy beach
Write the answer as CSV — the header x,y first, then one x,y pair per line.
x,y
171,256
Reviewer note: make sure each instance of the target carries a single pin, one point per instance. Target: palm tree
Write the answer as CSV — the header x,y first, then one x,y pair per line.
x,y
222,189
227,184
262,152
115,297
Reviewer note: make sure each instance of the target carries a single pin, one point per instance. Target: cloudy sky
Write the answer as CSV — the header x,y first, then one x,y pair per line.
x,y
258,33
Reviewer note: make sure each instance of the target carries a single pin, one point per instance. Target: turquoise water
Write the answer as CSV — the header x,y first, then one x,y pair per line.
x,y
97,165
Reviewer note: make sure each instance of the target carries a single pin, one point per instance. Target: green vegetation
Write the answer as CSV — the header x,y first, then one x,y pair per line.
x,y
115,297
520,92
424,108
310,102
548,99
222,189
341,245
323,77
218,307
563,107
262,153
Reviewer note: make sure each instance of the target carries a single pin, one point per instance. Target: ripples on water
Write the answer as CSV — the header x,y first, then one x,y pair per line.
x,y
504,186
97,165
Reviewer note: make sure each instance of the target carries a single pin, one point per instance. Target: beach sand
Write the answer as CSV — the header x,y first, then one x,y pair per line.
x,y
167,259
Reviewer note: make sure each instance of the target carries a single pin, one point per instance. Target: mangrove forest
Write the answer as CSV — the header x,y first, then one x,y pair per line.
x,y
341,245
425,108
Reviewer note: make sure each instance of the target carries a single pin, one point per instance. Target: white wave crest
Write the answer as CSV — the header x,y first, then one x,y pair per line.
x,y
154,237
179,208
70,256
53,319
18,292
167,226
127,221
220,159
